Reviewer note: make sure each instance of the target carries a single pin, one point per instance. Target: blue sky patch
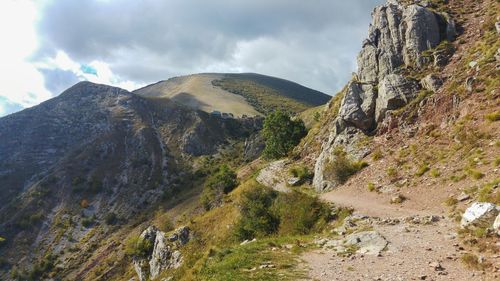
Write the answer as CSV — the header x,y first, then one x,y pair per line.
x,y
88,69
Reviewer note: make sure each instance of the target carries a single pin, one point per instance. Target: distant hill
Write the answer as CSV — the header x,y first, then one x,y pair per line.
x,y
240,94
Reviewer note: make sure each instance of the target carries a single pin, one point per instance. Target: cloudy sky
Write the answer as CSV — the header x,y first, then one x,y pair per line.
x,y
49,45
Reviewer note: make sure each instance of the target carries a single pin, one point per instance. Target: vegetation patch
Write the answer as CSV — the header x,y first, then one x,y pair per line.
x,y
282,134
341,168
217,185
265,212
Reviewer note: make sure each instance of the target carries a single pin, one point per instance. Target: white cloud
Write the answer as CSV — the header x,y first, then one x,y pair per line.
x,y
20,81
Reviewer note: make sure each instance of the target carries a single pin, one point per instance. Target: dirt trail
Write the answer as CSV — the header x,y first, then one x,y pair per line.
x,y
412,249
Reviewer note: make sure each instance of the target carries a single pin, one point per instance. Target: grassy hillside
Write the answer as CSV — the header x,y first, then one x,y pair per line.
x,y
239,94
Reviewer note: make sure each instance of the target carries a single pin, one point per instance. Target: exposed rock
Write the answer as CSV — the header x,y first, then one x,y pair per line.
x,y
164,253
396,39
294,181
497,26
394,92
358,106
422,33
479,215
398,199
398,35
368,242
463,197
496,224
431,82
469,83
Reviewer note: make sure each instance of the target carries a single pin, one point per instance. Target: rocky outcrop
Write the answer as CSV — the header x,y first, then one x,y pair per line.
x,y
358,106
480,214
395,91
431,82
162,251
398,36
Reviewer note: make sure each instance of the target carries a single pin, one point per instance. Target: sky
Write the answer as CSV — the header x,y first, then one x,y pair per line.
x,y
49,45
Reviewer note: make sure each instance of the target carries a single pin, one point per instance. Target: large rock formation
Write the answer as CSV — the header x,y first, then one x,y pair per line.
x,y
398,35
163,252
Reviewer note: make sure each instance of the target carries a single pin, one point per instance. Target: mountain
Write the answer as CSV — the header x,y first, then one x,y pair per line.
x,y
239,94
396,179
103,149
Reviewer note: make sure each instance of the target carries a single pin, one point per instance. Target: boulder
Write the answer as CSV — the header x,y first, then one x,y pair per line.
x,y
497,26
480,214
395,91
367,242
431,82
358,106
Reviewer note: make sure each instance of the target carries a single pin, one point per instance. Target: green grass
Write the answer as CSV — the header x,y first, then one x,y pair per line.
x,y
424,168
242,262
494,116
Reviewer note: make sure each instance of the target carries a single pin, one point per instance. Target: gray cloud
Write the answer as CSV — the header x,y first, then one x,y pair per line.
x,y
310,42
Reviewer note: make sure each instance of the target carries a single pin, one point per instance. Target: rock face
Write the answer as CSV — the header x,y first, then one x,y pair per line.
x,y
480,215
395,91
398,35
165,252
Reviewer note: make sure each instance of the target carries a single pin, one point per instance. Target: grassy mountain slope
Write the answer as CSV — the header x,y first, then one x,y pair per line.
x,y
240,94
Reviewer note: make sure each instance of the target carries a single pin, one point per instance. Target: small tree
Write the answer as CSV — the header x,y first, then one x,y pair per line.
x,y
220,183
282,134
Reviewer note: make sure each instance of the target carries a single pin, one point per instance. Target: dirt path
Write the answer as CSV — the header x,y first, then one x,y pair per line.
x,y
413,252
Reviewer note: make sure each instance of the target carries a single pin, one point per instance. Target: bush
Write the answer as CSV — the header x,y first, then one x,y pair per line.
x,y
88,221
166,224
2,240
341,168
138,247
281,134
494,116
110,218
265,212
256,219
301,172
299,213
220,183
424,168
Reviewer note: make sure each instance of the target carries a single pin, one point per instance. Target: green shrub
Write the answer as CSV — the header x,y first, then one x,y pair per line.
x,y
281,134
135,246
451,201
265,212
299,213
494,116
377,155
88,221
110,218
301,172
341,168
166,224
41,268
371,187
435,173
424,168
220,183
256,220
475,174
